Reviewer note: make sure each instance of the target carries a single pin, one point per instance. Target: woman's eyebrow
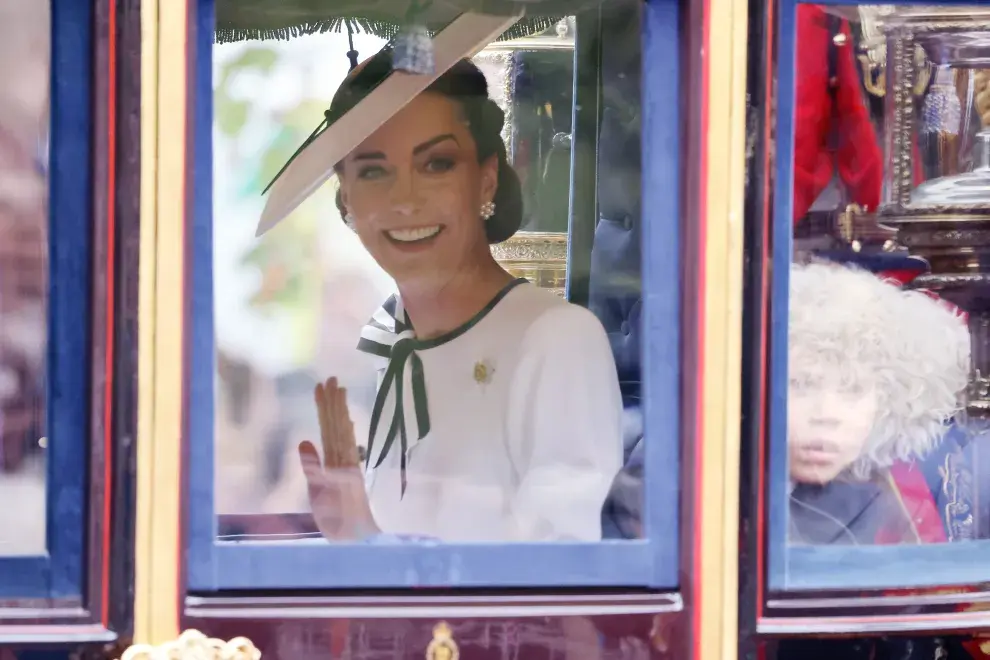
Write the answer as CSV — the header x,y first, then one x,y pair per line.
x,y
378,155
370,155
432,141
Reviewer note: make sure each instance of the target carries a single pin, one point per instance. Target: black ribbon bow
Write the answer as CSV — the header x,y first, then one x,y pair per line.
x,y
403,351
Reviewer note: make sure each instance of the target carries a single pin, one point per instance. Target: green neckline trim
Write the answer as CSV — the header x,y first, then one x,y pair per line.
x,y
426,344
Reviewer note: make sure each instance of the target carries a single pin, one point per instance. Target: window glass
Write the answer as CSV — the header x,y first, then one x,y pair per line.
x,y
395,355
885,225
24,111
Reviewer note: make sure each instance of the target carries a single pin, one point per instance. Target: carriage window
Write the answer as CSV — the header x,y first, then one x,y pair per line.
x,y
424,340
24,94
882,445
315,307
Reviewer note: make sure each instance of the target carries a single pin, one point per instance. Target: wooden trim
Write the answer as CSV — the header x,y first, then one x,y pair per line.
x,y
722,349
123,411
756,317
693,97
161,306
100,439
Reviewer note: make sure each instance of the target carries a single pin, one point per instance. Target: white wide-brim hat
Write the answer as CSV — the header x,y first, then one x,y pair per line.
x,y
312,166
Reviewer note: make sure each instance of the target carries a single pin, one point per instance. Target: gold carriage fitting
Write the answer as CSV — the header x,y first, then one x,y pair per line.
x,y
934,66
539,251
443,646
540,257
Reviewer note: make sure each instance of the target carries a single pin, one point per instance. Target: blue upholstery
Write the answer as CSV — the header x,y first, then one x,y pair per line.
x,y
622,514
970,498
615,291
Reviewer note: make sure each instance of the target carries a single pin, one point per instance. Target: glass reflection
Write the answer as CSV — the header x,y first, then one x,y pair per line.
x,y
24,103
888,400
477,406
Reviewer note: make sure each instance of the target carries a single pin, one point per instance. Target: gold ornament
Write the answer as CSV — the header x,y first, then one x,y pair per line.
x,y
194,645
443,646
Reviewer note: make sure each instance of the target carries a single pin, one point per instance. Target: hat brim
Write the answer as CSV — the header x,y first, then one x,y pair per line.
x,y
467,35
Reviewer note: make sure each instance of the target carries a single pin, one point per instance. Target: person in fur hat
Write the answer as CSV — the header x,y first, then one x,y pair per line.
x,y
863,398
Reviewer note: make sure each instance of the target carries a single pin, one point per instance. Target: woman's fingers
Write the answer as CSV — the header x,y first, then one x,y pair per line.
x,y
333,406
343,410
323,414
336,428
337,406
310,459
345,431
336,493
323,509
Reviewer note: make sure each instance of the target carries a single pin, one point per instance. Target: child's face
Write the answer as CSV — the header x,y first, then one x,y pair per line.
x,y
828,424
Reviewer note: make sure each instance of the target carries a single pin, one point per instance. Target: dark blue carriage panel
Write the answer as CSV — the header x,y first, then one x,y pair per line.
x,y
633,295
66,161
951,481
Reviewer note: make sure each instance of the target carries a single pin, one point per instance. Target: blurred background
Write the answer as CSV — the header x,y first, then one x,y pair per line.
x,y
290,305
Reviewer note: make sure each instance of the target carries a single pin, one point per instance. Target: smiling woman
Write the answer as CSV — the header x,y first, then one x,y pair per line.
x,y
490,423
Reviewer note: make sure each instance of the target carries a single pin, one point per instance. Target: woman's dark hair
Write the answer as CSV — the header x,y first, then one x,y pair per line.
x,y
466,84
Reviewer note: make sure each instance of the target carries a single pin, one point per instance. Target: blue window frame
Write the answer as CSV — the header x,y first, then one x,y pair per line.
x,y
650,562
804,568
59,573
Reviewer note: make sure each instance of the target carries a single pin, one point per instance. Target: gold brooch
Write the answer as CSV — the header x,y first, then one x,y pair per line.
x,y
483,372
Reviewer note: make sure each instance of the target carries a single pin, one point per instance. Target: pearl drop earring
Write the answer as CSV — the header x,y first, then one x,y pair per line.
x,y
487,210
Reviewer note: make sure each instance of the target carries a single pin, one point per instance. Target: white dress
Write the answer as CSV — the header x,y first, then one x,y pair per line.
x,y
523,435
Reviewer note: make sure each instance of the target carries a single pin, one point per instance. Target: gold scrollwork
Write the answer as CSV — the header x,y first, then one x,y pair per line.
x,y
874,76
194,645
540,257
443,646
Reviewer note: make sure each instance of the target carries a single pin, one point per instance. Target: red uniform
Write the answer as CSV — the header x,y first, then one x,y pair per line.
x,y
824,108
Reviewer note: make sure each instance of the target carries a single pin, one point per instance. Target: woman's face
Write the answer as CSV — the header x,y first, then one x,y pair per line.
x,y
828,424
415,189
